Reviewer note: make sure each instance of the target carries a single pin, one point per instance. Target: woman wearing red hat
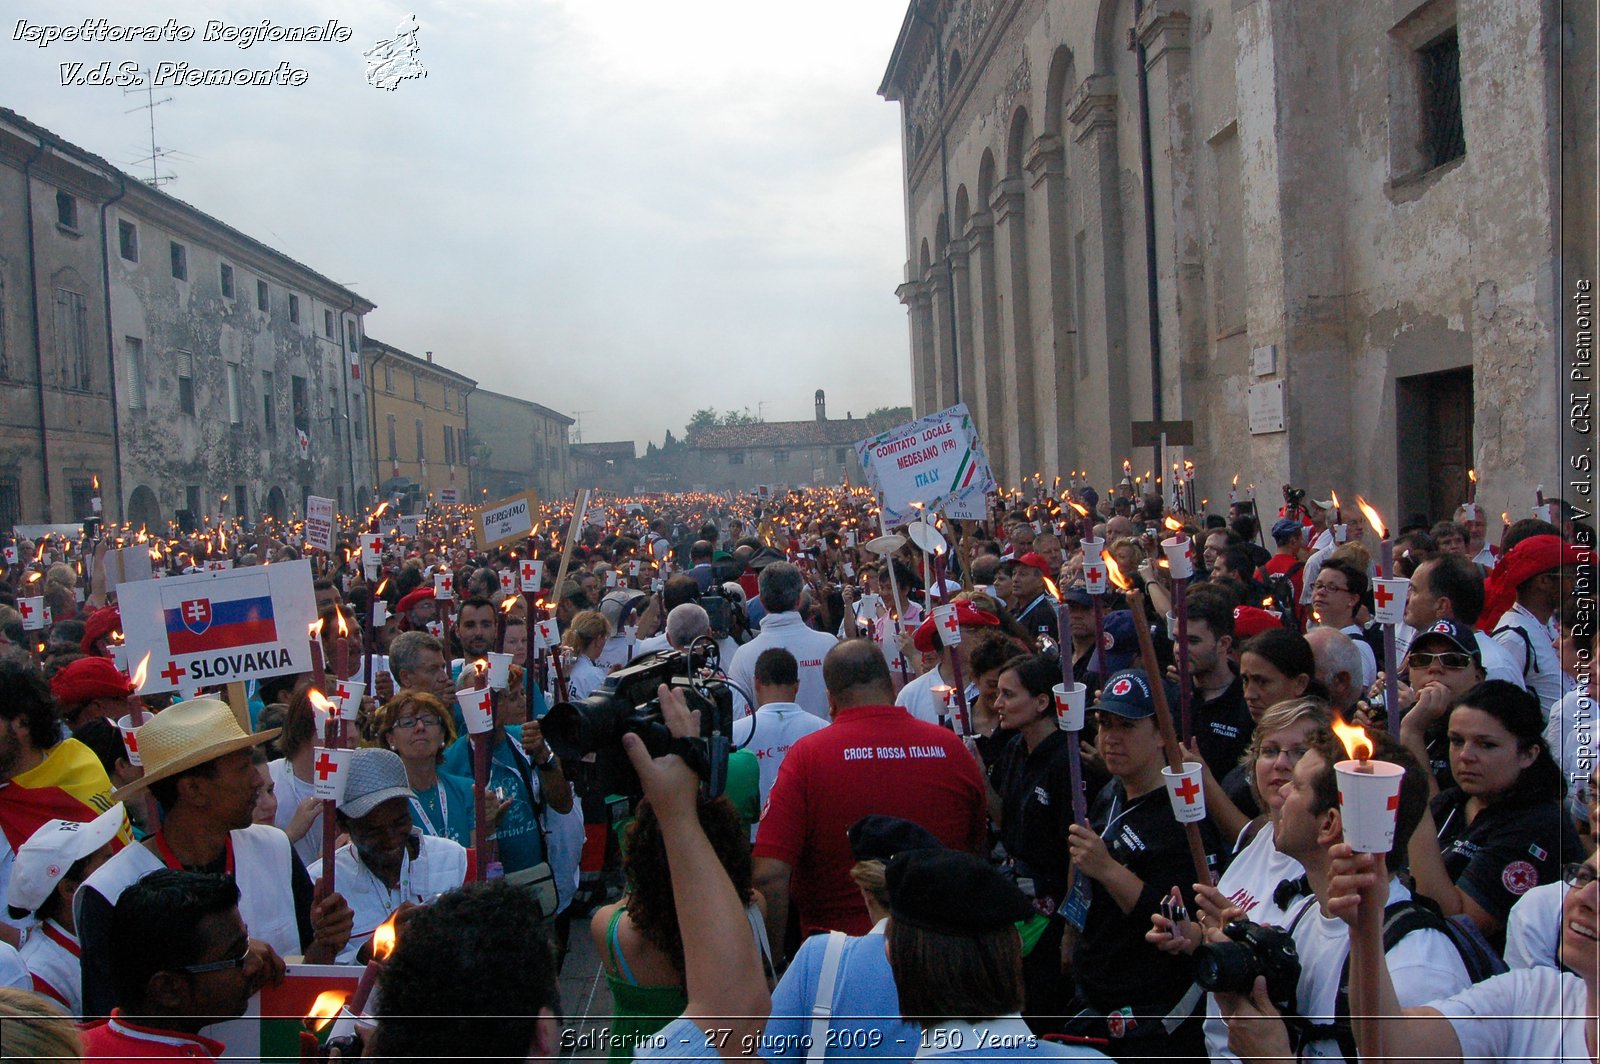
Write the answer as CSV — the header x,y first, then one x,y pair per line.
x,y
90,689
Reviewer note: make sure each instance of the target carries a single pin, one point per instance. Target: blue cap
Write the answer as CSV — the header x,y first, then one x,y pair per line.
x,y
1458,635
1127,694
1285,528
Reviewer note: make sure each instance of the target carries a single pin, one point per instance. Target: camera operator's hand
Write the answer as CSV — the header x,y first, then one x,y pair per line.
x,y
675,713
1214,908
669,783
1255,1028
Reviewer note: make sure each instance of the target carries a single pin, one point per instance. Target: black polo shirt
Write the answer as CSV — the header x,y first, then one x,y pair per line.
x,y
1509,849
1113,964
1223,727
1035,792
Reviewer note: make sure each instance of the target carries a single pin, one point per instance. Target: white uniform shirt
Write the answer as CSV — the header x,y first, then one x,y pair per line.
x,y
770,732
1544,675
920,701
807,645
1493,1018
51,953
290,790
1533,928
440,865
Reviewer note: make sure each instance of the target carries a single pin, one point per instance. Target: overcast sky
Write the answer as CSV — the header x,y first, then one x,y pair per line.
x,y
632,208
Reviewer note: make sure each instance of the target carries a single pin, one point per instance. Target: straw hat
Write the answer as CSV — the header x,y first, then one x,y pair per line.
x,y
189,734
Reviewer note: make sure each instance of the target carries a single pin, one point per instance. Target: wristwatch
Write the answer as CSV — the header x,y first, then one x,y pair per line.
x,y
546,763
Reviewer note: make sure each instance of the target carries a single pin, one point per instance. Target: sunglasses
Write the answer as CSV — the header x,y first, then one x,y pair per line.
x,y
1450,659
217,966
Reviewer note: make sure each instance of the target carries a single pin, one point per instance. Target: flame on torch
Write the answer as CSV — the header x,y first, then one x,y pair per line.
x,y
1173,524
324,1009
316,630
344,631
1354,738
1082,511
382,584
383,940
1114,571
137,679
1372,518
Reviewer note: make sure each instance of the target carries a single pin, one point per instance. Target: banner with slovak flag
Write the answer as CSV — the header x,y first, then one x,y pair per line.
x,y
217,627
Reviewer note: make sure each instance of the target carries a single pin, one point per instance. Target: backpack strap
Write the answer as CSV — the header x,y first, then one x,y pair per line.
x,y
1528,659
822,1006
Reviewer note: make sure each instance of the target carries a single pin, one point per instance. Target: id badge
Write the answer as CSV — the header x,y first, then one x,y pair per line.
x,y
1076,906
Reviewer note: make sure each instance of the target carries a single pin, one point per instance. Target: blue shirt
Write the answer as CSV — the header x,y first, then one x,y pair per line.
x,y
446,809
518,834
866,1007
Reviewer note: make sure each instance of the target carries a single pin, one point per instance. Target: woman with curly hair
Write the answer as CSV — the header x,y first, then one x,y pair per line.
x,y
640,947
416,725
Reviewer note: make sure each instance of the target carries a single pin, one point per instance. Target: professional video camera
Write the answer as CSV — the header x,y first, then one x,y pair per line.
x,y
629,701
1255,950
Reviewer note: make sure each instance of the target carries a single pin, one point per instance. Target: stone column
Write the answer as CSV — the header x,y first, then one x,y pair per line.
x,y
1016,340
937,282
1100,413
1049,246
1163,29
910,295
985,355
963,297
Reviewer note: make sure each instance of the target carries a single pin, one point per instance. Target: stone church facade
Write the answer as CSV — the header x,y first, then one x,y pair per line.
x,y
1328,234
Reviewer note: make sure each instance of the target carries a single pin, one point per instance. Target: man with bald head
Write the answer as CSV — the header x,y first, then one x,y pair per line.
x,y
874,758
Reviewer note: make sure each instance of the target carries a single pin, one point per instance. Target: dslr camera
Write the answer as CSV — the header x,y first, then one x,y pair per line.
x,y
1253,949
629,701
1293,496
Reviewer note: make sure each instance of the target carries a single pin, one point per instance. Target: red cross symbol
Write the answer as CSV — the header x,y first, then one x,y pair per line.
x,y
950,623
1394,802
25,608
130,739
1093,574
505,581
342,692
1187,791
172,674
1382,596
325,766
527,570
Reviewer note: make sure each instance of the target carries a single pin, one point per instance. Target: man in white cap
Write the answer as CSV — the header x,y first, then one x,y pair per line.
x,y
197,765
387,864
49,867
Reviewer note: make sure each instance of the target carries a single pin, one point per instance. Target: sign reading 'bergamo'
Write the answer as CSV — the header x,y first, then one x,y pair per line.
x,y
508,519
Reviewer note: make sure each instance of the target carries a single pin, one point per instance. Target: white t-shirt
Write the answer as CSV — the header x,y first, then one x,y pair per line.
x,y
920,701
1497,664
807,645
585,677
1529,1014
290,790
1424,966
1533,928
440,866
777,726
1249,882
1544,675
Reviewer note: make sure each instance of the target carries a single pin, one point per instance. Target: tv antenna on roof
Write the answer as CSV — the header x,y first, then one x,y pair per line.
x,y
577,424
156,179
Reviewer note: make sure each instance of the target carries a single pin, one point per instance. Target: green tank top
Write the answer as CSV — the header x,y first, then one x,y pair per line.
x,y
637,1011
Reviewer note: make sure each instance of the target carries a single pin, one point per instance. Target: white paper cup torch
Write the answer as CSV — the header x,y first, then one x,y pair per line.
x,y
1096,576
947,625
130,740
119,657
380,613
348,694
1070,703
1180,556
443,585
330,769
499,671
1186,791
1369,803
1389,600
1341,532
476,709
1469,510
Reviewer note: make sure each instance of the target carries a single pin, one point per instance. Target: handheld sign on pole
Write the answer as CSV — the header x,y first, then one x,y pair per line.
x,y
320,523
511,518
217,628
937,461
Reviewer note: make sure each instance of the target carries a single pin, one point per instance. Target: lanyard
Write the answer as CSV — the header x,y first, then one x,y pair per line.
x,y
170,859
444,809
1116,799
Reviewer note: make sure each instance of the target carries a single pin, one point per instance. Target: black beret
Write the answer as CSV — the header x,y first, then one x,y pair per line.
x,y
952,893
878,837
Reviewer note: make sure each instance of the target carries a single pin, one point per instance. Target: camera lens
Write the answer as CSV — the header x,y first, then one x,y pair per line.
x,y
1226,966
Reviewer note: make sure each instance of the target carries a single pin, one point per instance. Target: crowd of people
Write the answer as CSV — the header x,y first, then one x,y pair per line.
x,y
895,849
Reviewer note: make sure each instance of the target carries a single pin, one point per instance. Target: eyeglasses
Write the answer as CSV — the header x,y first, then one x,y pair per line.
x,y
407,723
1271,752
1320,586
216,966
1577,876
1450,659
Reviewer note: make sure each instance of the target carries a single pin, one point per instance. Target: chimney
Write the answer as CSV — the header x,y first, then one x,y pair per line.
x,y
430,356
822,407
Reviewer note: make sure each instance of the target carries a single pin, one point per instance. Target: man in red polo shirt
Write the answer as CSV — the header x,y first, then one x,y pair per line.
x,y
873,758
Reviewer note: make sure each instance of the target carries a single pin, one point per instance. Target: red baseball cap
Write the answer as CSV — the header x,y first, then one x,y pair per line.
x,y
414,599
967,616
1036,560
1252,620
